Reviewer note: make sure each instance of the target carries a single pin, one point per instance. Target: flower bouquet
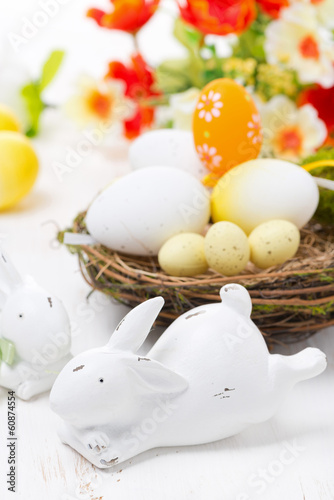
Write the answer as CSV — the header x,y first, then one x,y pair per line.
x,y
282,51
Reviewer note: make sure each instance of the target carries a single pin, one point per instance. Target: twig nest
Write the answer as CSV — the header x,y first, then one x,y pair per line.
x,y
131,280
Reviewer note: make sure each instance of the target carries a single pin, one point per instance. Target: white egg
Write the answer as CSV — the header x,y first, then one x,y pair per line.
x,y
143,209
167,148
264,189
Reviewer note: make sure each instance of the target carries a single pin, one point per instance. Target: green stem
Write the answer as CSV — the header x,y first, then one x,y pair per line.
x,y
135,43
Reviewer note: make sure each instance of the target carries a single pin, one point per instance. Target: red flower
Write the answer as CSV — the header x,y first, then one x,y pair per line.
x,y
126,15
218,17
141,120
273,7
139,85
323,101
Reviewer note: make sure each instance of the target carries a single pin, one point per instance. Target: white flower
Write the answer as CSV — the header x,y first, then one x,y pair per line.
x,y
255,129
209,157
99,101
301,43
163,116
289,132
183,106
209,106
324,10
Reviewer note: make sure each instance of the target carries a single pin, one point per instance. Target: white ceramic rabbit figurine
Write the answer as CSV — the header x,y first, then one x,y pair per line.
x,y
34,334
209,376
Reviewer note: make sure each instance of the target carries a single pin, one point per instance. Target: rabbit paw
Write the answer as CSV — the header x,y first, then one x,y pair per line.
x,y
312,360
25,390
98,442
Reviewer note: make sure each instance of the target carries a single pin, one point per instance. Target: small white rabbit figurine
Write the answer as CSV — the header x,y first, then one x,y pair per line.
x,y
34,334
209,376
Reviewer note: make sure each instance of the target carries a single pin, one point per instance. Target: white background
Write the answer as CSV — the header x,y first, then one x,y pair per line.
x,y
46,468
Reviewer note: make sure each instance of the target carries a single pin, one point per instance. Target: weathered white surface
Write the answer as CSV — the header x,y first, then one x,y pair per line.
x,y
47,469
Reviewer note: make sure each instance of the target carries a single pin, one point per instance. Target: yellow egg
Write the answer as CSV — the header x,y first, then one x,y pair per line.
x,y
226,127
265,189
226,248
183,255
8,120
273,242
18,168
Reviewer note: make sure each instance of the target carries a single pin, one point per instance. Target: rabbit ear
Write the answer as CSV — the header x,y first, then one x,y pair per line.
x,y
237,297
3,299
9,277
134,328
155,378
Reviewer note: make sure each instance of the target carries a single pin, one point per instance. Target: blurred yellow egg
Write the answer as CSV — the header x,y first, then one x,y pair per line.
x,y
226,127
183,255
226,248
273,242
18,168
8,120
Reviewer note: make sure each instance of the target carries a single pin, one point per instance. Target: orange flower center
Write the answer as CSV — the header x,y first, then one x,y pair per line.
x,y
100,104
138,92
290,139
309,48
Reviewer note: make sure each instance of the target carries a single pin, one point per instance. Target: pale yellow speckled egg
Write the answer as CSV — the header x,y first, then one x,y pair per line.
x,y
183,255
273,242
226,248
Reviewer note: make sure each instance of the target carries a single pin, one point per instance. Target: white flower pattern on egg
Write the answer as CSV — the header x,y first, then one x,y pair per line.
x,y
255,129
209,157
209,106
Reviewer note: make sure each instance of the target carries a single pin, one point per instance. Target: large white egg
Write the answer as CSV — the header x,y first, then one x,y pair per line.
x,y
167,148
260,190
142,210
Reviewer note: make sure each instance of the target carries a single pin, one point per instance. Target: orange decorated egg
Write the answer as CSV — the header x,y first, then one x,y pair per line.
x,y
226,126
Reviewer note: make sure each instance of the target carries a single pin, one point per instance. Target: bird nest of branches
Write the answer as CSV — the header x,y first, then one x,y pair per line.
x,y
290,302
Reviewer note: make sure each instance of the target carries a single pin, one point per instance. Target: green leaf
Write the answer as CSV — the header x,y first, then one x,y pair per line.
x,y
251,42
51,68
173,76
190,37
34,106
325,211
31,92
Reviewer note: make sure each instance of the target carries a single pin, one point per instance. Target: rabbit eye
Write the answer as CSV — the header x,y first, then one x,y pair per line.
x,y
101,380
21,315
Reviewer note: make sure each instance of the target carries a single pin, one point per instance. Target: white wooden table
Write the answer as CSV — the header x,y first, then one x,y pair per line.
x,y
291,457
